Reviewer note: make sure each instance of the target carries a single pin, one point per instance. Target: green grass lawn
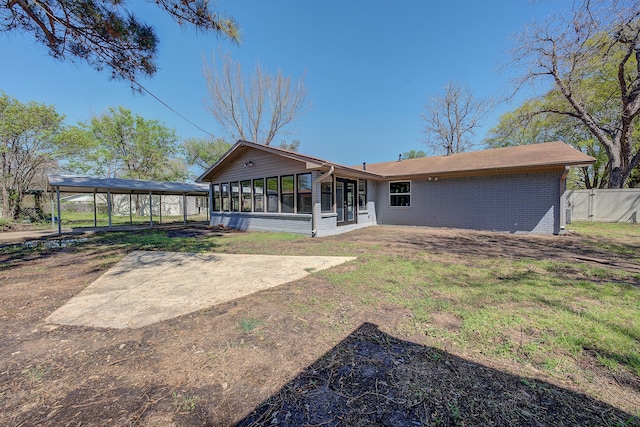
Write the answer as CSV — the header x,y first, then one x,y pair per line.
x,y
546,313
563,316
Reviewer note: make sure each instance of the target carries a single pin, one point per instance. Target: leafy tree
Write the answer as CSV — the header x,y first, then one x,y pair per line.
x,y
450,120
254,107
28,149
203,153
120,144
592,60
526,125
104,33
414,154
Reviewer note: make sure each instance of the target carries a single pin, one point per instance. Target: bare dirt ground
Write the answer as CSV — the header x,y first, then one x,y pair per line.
x,y
341,365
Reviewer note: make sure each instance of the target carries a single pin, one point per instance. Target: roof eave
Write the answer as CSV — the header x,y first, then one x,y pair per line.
x,y
487,171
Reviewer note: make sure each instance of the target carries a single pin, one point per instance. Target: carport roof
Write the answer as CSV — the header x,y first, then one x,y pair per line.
x,y
85,184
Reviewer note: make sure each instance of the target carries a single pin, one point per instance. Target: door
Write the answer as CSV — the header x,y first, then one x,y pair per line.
x,y
346,201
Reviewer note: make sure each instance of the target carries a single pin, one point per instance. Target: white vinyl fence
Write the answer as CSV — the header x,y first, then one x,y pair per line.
x,y
610,205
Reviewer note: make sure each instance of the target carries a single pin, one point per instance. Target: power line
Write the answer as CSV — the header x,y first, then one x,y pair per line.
x,y
126,75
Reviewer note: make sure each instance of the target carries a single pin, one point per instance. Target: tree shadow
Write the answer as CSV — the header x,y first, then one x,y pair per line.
x,y
374,379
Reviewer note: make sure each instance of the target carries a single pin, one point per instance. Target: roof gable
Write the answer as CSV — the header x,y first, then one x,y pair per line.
x,y
310,162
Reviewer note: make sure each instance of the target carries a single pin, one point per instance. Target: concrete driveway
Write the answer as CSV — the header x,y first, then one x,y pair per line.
x,y
147,287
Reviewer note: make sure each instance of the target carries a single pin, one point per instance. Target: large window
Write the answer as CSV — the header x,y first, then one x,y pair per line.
x,y
362,194
400,193
272,194
258,195
287,193
326,196
235,196
216,197
245,203
224,190
304,193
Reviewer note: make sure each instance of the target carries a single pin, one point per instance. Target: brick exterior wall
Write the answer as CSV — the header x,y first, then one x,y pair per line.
x,y
517,203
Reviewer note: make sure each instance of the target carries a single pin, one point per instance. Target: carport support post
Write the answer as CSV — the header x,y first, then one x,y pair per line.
x,y
160,204
130,211
150,209
109,205
95,210
58,203
184,208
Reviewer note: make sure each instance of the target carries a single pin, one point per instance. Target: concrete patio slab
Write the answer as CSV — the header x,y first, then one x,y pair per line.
x,y
147,287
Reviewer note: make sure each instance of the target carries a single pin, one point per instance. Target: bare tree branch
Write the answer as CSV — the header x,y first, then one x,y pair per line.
x,y
257,107
450,120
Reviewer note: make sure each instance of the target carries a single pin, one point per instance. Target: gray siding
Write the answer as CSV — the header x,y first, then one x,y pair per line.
x,y
515,203
290,223
264,166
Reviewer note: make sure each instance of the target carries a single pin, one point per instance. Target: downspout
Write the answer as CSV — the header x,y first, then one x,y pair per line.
x,y
314,214
563,201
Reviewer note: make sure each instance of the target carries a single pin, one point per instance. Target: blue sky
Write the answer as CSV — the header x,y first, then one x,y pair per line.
x,y
369,67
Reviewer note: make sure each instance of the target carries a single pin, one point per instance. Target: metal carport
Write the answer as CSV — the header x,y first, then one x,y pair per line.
x,y
109,186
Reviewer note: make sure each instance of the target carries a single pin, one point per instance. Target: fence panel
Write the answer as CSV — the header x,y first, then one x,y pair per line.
x,y
612,205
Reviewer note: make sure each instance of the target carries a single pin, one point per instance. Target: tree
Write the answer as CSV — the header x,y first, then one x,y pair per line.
x,y
450,121
103,32
28,147
414,154
254,107
526,125
203,153
290,146
120,144
599,44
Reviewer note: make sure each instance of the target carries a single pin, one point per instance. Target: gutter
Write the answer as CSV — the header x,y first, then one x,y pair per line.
x,y
314,214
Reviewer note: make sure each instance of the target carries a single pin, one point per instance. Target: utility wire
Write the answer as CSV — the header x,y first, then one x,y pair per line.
x,y
128,77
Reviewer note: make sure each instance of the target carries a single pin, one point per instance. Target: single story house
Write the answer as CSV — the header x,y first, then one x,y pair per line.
x,y
515,189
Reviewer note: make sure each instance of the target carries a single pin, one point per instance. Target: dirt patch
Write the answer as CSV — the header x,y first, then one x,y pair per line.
x,y
446,321
301,353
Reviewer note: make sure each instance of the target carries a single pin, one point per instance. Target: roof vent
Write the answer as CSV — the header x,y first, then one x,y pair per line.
x,y
364,166
399,157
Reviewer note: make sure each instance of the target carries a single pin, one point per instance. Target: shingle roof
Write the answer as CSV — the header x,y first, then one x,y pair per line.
x,y
533,156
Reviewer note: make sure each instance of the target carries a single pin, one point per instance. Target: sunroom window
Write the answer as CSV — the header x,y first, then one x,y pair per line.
x,y
362,194
272,194
287,193
304,193
326,195
258,195
245,188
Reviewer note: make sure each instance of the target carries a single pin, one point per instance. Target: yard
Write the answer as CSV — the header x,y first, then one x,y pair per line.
x,y
426,327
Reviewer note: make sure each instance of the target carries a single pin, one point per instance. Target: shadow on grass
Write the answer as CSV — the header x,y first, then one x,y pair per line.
x,y
374,379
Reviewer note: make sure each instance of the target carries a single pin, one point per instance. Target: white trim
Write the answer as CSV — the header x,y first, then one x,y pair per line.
x,y
400,194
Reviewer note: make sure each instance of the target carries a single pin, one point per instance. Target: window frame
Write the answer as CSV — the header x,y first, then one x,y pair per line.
x,y
330,193
362,200
399,194
305,194
258,195
216,206
270,198
285,207
235,198
244,196
224,197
